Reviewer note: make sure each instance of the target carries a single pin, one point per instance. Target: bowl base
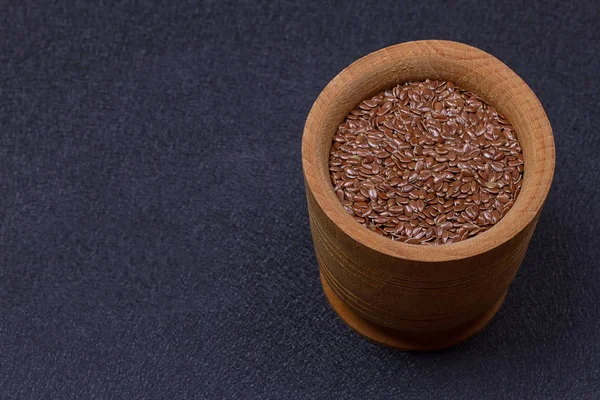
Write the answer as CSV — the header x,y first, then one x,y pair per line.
x,y
399,340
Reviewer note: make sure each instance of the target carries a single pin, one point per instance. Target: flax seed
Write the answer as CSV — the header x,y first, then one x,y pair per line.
x,y
426,163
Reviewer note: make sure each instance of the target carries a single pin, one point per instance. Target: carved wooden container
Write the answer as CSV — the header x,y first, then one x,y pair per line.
x,y
417,297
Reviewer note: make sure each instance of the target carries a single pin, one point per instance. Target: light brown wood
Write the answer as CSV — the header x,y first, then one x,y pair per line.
x,y
417,297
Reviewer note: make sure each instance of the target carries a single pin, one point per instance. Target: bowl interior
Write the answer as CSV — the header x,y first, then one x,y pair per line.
x,y
470,69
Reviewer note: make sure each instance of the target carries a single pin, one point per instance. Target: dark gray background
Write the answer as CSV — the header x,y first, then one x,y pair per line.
x,y
154,240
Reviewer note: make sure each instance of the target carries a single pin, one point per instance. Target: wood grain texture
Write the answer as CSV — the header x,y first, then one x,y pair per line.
x,y
417,297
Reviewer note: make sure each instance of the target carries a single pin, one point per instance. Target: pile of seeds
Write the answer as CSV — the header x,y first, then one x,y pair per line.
x,y
426,163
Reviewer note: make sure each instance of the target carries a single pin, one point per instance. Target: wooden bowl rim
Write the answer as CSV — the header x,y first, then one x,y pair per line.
x,y
518,218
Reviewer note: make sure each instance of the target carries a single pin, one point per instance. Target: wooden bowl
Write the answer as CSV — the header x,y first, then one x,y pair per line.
x,y
418,297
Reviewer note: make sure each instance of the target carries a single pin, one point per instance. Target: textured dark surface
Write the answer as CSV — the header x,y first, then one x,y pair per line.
x,y
154,240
